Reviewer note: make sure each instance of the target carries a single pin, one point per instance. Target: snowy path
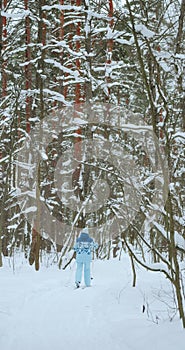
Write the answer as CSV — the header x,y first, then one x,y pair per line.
x,y
41,310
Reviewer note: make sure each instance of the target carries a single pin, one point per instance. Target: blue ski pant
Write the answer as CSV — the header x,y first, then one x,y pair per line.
x,y
83,265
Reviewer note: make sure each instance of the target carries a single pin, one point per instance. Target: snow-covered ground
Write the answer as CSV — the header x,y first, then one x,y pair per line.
x,y
42,310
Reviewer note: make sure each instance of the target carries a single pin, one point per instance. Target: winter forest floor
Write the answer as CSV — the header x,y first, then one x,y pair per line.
x,y
42,310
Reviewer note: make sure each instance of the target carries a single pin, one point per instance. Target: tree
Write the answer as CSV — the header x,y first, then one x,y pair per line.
x,y
57,54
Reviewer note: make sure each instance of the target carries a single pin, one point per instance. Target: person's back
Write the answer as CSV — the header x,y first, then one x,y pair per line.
x,y
83,248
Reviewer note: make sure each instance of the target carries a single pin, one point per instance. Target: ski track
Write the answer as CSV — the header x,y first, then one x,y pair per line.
x,y
40,310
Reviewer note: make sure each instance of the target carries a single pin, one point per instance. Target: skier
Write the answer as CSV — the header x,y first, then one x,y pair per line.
x,y
83,247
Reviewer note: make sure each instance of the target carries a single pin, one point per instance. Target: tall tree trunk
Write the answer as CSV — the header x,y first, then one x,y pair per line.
x,y
174,258
143,72
3,47
1,30
3,93
42,41
28,66
34,254
179,37
109,52
1,175
88,82
179,49
77,143
61,38
70,39
78,31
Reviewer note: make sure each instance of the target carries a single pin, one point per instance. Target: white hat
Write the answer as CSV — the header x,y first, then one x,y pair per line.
x,y
85,230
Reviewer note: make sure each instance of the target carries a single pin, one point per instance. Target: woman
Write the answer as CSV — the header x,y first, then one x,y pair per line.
x,y
83,248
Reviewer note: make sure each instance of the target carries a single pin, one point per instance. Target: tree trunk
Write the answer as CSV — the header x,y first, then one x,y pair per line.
x,y
179,39
3,47
176,276
1,30
40,71
109,53
27,67
133,270
88,81
40,86
143,72
179,49
78,45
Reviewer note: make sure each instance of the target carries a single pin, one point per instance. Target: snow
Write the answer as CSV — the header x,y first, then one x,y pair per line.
x,y
164,66
179,136
40,310
136,128
30,209
79,121
15,15
63,68
124,41
43,154
147,33
61,7
179,240
57,96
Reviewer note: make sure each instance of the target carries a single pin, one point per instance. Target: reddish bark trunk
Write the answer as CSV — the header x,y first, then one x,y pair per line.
x,y
109,48
161,133
27,67
62,21
65,90
77,145
61,38
4,62
78,85
36,238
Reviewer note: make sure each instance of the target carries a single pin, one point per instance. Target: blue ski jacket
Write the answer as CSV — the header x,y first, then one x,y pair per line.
x,y
83,247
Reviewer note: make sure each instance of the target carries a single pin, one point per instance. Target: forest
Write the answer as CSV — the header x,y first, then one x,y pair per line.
x,y
92,132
